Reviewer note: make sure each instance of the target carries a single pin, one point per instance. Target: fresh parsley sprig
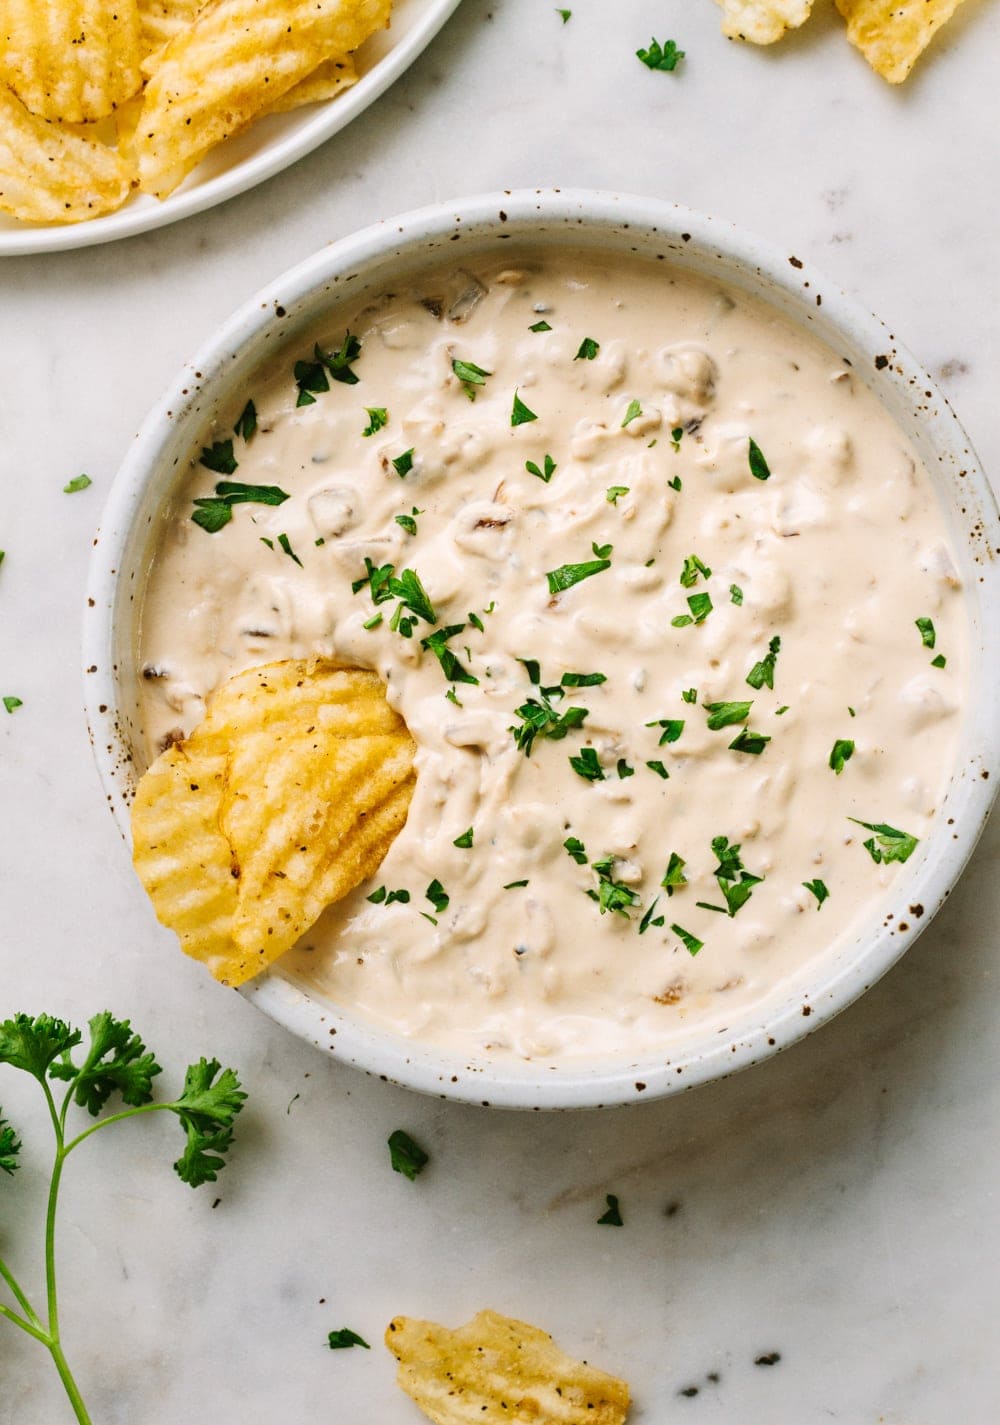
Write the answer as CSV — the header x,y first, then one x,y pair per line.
x,y
115,1062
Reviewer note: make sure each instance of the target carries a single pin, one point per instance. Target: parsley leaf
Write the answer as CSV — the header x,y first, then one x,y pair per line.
x,y
464,842
676,436
588,349
734,881
888,843
382,896
736,593
624,770
613,1217
672,728
751,742
634,410
207,1110
691,942
338,363
545,474
11,702
117,1061
520,414
659,769
565,15
569,574
928,636
663,56
587,765
690,695
378,417
583,680
691,569
819,890
611,894
614,493
647,919
674,875
543,325
212,512
726,714
843,751
409,522
939,661
437,643
219,457
700,606
540,719
310,378
345,1338
403,464
82,482
763,672
576,849
470,376
286,546
406,1156
34,1044
246,424
438,896
10,1146
759,468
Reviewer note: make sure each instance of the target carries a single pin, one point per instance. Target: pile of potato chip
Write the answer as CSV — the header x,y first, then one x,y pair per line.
x,y
891,34
98,97
498,1371
280,803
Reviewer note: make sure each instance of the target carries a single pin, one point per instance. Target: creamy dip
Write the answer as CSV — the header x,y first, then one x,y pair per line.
x,y
631,500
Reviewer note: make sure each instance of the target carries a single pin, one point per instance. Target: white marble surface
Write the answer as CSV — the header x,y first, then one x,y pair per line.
x,y
837,1205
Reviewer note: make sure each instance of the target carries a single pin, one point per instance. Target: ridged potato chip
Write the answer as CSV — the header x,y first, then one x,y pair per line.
x,y
762,21
498,1371
49,175
285,798
325,82
893,34
161,21
234,62
74,60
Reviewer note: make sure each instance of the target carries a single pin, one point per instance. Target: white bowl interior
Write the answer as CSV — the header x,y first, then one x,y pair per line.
x,y
376,258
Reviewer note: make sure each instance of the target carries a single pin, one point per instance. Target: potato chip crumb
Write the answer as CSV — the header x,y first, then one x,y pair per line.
x,y
893,34
762,21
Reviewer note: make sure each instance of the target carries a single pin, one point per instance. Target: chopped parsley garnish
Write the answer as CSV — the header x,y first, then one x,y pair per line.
x,y
647,919
624,770
541,326
659,769
540,719
663,56
576,849
453,697
11,702
246,424
403,464
613,1217
700,606
286,546
928,636
611,894
583,680
514,885
690,695
406,1156
843,751
382,896
477,622
888,843
345,1338
378,417
676,435
438,896
722,715
692,568
614,493
759,468
691,942
384,585
939,661
634,410
672,728
437,643
674,875
675,483
819,890
544,474
219,457
736,593
751,742
520,414
464,842
734,881
588,349
212,512
372,622
409,522
587,765
311,376
338,363
566,14
470,376
569,574
763,672
782,710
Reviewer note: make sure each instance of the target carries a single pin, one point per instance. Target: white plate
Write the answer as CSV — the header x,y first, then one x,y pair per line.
x,y
265,149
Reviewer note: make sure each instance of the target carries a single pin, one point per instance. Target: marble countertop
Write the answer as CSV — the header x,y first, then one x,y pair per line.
x,y
836,1206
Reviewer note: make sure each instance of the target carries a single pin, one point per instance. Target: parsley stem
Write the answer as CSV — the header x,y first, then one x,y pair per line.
x,y
116,1118
69,1384
21,1299
32,1330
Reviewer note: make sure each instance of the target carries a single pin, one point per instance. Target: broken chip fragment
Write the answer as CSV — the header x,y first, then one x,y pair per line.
x,y
280,803
498,1371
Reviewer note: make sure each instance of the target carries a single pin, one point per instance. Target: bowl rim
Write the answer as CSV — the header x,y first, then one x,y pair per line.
x,y
486,220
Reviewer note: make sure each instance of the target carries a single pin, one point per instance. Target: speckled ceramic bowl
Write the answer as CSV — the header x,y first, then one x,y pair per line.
x,y
609,223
